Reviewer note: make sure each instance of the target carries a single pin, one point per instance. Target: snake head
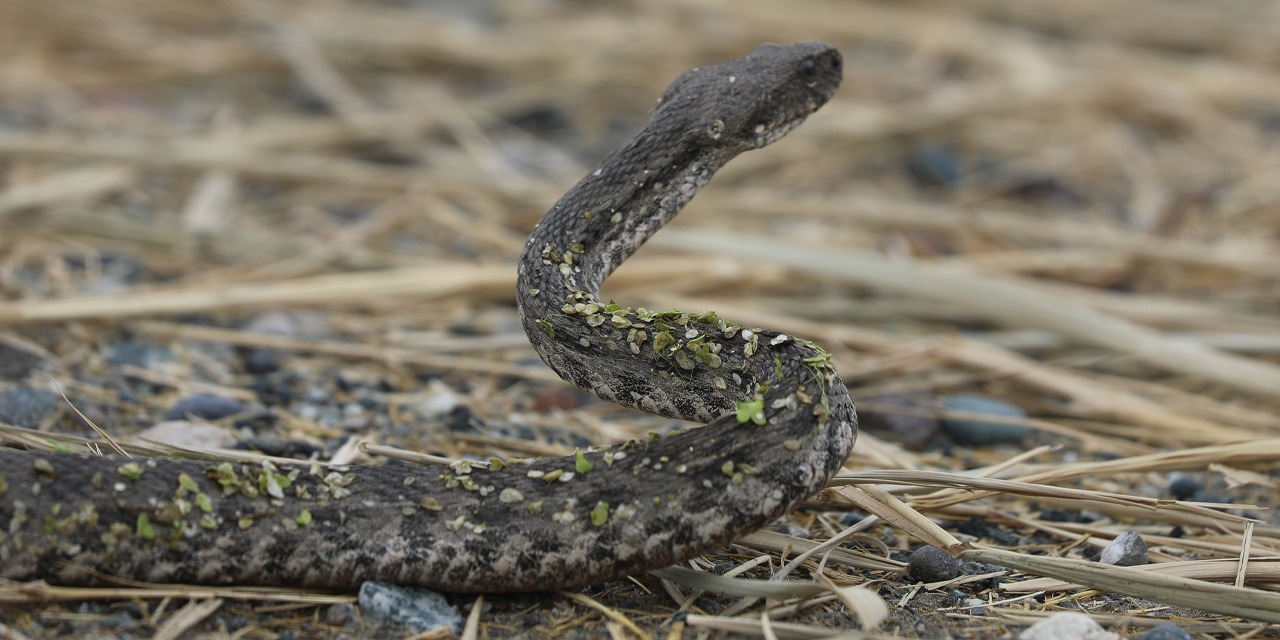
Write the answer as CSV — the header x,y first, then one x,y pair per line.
x,y
751,101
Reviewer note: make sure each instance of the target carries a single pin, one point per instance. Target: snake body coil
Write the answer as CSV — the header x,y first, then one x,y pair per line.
x,y
780,419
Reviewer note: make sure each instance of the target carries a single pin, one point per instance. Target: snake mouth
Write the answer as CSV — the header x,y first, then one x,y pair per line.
x,y
766,135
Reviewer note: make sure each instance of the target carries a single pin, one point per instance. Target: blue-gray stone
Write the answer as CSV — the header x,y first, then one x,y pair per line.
x,y
1165,632
206,406
138,355
26,407
417,608
976,432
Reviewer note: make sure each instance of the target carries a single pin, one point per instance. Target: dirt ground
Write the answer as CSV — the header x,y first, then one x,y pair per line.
x,y
287,228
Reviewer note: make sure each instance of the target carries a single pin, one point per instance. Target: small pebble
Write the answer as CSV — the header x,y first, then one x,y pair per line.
x,y
1184,486
976,432
342,614
441,401
976,607
1127,550
1054,514
1068,625
798,532
18,363
205,406
974,527
182,433
261,361
26,407
931,564
417,608
136,354
1165,632
933,164
850,518
461,419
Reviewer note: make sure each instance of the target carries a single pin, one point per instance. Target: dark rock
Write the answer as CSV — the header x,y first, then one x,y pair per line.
x,y
1183,486
206,406
460,419
850,518
793,530
1165,632
1003,537
1054,514
342,614
931,564
1209,496
914,429
261,361
136,354
1127,550
417,608
26,407
17,363
979,568
976,432
973,527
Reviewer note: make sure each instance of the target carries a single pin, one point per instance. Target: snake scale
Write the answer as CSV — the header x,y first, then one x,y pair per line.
x,y
780,421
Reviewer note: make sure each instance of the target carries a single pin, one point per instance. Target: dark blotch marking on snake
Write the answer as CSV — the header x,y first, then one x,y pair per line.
x,y
643,504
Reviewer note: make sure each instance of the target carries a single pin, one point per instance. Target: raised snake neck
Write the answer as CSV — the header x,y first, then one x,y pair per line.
x,y
780,419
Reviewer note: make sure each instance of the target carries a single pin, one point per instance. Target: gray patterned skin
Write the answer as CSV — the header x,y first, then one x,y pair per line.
x,y
529,525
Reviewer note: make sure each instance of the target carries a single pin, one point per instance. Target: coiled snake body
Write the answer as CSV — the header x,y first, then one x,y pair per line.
x,y
780,420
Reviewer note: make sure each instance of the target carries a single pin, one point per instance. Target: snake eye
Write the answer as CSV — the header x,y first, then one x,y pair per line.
x,y
807,68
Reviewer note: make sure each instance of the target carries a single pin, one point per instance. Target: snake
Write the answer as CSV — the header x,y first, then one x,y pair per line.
x,y
778,420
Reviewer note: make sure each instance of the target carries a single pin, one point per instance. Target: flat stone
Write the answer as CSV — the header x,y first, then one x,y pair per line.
x,y
931,564
1068,625
26,407
205,406
417,608
1166,632
1127,550
976,432
181,433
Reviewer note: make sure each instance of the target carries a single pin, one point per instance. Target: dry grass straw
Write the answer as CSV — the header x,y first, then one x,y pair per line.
x,y
187,617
